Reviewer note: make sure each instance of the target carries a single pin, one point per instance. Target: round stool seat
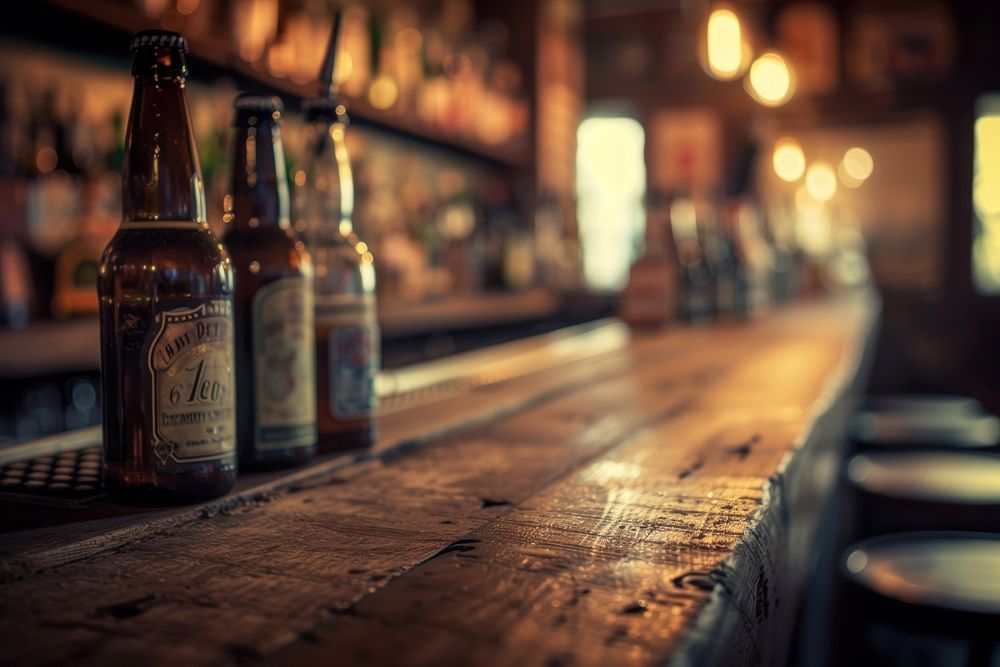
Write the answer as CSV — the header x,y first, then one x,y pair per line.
x,y
924,490
941,477
936,403
947,571
928,598
936,428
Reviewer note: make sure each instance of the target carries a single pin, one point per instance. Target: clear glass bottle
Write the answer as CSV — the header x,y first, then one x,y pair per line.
x,y
347,335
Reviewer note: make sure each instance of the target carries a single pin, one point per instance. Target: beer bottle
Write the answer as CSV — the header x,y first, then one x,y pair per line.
x,y
696,279
166,300
347,334
650,296
275,353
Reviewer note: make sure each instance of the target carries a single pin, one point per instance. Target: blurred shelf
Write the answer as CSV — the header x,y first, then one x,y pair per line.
x,y
466,312
50,347
74,345
216,53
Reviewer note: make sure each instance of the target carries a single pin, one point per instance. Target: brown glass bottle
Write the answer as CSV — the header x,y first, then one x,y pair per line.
x,y
347,332
166,300
275,348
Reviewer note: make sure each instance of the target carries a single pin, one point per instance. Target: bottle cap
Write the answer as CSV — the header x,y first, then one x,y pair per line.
x,y
259,103
159,38
325,108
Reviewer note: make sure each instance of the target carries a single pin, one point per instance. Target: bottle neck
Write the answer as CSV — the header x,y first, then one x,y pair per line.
x,y
161,176
260,185
332,182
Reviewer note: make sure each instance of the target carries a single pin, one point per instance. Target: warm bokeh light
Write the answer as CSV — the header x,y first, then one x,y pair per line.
x,y
256,24
409,40
858,163
813,229
986,187
342,67
383,92
683,218
46,160
279,60
986,200
770,80
846,179
187,7
806,204
789,161
821,181
724,44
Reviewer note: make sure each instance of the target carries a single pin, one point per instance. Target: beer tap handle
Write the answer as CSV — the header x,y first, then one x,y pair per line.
x,y
326,76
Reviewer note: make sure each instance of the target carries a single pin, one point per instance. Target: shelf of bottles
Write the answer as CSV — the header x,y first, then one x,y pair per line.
x,y
446,224
433,75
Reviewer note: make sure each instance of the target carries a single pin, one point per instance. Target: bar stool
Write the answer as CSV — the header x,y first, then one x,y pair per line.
x,y
939,403
924,421
923,490
925,464
923,598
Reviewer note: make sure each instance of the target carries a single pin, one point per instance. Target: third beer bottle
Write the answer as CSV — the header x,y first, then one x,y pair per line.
x,y
275,353
166,300
347,333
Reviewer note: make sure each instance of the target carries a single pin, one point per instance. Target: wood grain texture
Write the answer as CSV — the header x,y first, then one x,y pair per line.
x,y
643,504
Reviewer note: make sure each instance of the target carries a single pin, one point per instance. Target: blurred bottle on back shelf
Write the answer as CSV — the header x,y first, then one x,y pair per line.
x,y
650,297
76,268
753,254
696,298
716,245
16,292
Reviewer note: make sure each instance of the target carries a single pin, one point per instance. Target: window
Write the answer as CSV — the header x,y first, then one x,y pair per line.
x,y
610,185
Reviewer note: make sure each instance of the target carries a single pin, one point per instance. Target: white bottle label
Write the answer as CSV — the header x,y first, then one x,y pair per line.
x,y
190,361
353,354
284,363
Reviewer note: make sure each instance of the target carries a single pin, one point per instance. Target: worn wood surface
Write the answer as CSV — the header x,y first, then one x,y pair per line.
x,y
645,502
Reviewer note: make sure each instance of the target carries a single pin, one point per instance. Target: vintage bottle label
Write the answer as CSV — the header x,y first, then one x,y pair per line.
x,y
191,365
284,358
353,353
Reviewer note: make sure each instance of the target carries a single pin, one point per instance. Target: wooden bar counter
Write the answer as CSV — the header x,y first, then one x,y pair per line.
x,y
585,498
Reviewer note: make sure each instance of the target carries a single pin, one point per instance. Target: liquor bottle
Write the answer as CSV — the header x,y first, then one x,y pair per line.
x,y
696,278
275,348
649,298
347,333
16,290
75,284
166,304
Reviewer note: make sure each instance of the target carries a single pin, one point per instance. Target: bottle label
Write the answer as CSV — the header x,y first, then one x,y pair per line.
x,y
191,365
284,357
353,354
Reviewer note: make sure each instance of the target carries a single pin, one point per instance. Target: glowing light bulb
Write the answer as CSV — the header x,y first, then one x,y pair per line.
x,y
724,45
770,80
789,161
821,181
857,164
